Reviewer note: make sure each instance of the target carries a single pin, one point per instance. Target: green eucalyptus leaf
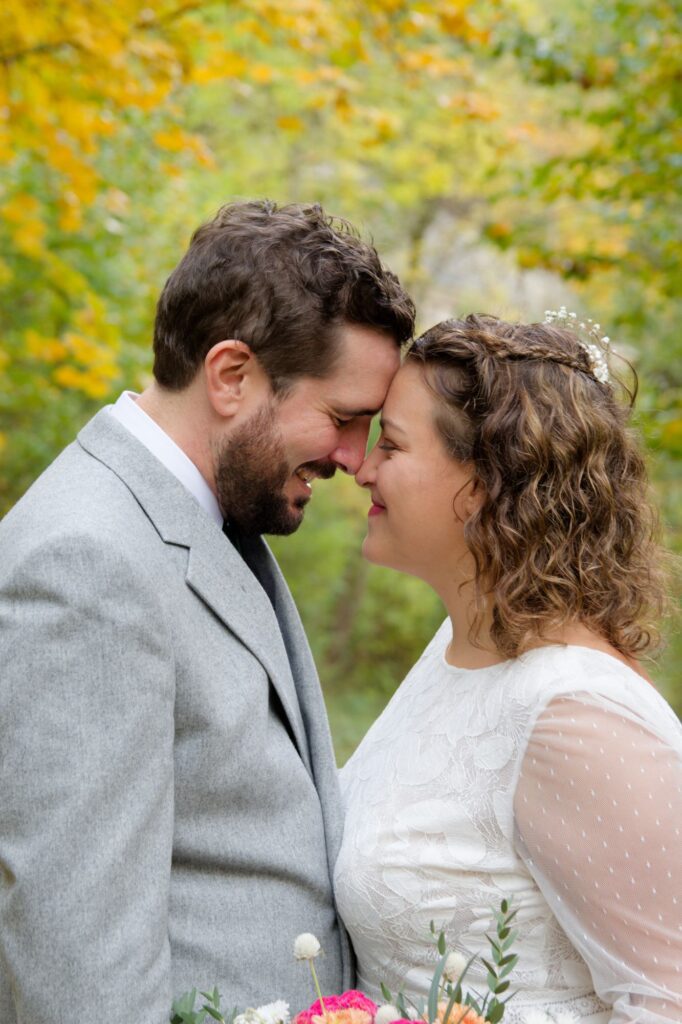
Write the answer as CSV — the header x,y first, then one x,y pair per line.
x,y
496,1013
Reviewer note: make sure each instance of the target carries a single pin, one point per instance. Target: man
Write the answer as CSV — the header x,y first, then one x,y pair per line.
x,y
169,812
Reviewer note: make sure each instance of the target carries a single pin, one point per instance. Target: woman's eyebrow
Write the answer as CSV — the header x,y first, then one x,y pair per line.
x,y
353,413
391,424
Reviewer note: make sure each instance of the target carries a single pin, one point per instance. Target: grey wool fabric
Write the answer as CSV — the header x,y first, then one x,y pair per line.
x,y
169,810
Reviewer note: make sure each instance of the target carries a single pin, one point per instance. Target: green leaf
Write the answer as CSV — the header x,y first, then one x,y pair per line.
x,y
503,933
456,997
433,991
502,987
441,943
508,968
216,1014
504,906
496,1013
489,966
386,993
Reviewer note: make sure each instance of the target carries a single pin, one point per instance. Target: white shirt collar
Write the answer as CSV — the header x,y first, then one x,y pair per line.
x,y
149,433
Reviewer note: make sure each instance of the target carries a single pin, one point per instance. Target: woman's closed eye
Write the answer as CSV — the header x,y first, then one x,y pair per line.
x,y
385,445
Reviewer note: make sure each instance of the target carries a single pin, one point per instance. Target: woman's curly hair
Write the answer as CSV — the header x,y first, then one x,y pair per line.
x,y
566,531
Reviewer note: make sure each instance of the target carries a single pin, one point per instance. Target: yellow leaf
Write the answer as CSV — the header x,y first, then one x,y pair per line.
x,y
261,73
48,349
20,208
290,123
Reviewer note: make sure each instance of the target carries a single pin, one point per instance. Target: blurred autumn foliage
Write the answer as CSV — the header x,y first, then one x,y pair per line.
x,y
543,139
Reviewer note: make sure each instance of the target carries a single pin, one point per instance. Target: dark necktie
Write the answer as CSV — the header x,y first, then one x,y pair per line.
x,y
232,534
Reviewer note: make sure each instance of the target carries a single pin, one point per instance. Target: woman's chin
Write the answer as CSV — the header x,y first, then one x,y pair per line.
x,y
378,554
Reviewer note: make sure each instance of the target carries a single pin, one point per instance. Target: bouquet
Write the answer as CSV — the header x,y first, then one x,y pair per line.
x,y
449,1000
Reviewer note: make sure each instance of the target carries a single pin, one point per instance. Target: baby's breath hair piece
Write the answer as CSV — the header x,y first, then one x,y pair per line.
x,y
595,344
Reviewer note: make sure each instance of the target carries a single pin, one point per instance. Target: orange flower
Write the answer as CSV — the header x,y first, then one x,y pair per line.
x,y
459,1014
349,1015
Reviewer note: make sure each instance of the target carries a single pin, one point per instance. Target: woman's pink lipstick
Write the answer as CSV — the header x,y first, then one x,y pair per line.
x,y
376,509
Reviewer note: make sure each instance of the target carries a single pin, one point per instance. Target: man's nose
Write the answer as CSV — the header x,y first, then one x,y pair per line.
x,y
350,452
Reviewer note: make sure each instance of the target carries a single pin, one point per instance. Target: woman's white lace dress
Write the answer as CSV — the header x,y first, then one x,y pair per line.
x,y
554,779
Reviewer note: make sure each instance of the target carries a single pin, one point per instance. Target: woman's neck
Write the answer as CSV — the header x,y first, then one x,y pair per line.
x,y
478,650
469,649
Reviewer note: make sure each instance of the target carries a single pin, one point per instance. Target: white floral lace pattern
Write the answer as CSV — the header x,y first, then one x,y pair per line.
x,y
470,787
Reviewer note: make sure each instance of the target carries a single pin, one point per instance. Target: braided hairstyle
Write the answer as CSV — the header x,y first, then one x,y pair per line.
x,y
566,531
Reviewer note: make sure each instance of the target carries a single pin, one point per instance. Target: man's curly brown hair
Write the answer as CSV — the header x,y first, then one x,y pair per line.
x,y
566,531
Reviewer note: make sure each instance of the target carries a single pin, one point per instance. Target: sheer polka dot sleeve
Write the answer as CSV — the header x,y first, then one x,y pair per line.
x,y
598,822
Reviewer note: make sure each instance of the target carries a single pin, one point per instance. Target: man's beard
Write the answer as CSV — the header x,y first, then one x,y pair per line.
x,y
251,472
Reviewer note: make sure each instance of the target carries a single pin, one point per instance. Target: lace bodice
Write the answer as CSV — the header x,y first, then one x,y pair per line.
x,y
555,779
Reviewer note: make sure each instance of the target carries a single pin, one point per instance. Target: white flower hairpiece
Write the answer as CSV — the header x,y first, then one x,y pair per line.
x,y
596,344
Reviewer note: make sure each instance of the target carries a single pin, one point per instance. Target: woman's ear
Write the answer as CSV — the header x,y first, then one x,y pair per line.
x,y
475,496
234,378
470,498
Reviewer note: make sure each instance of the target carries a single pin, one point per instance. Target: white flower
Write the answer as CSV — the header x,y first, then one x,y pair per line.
x,y
306,947
454,965
274,1013
249,1016
386,1014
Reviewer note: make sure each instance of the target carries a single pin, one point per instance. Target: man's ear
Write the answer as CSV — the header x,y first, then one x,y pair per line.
x,y
234,377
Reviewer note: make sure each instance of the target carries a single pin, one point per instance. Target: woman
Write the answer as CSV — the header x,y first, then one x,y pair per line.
x,y
524,755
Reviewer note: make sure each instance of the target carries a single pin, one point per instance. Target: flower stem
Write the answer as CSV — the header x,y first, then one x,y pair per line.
x,y
317,989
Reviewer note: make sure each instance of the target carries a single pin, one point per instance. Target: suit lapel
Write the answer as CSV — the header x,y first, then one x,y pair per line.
x,y
314,712
215,571
310,697
246,610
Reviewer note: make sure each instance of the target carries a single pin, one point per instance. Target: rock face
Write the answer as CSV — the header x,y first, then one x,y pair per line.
x,y
458,273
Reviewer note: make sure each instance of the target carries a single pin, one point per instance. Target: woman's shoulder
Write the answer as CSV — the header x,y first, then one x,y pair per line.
x,y
590,676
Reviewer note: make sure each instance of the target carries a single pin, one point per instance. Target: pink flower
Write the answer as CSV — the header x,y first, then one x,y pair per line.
x,y
352,1007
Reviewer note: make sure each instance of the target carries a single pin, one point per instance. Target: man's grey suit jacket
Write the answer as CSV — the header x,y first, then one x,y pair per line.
x,y
169,811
